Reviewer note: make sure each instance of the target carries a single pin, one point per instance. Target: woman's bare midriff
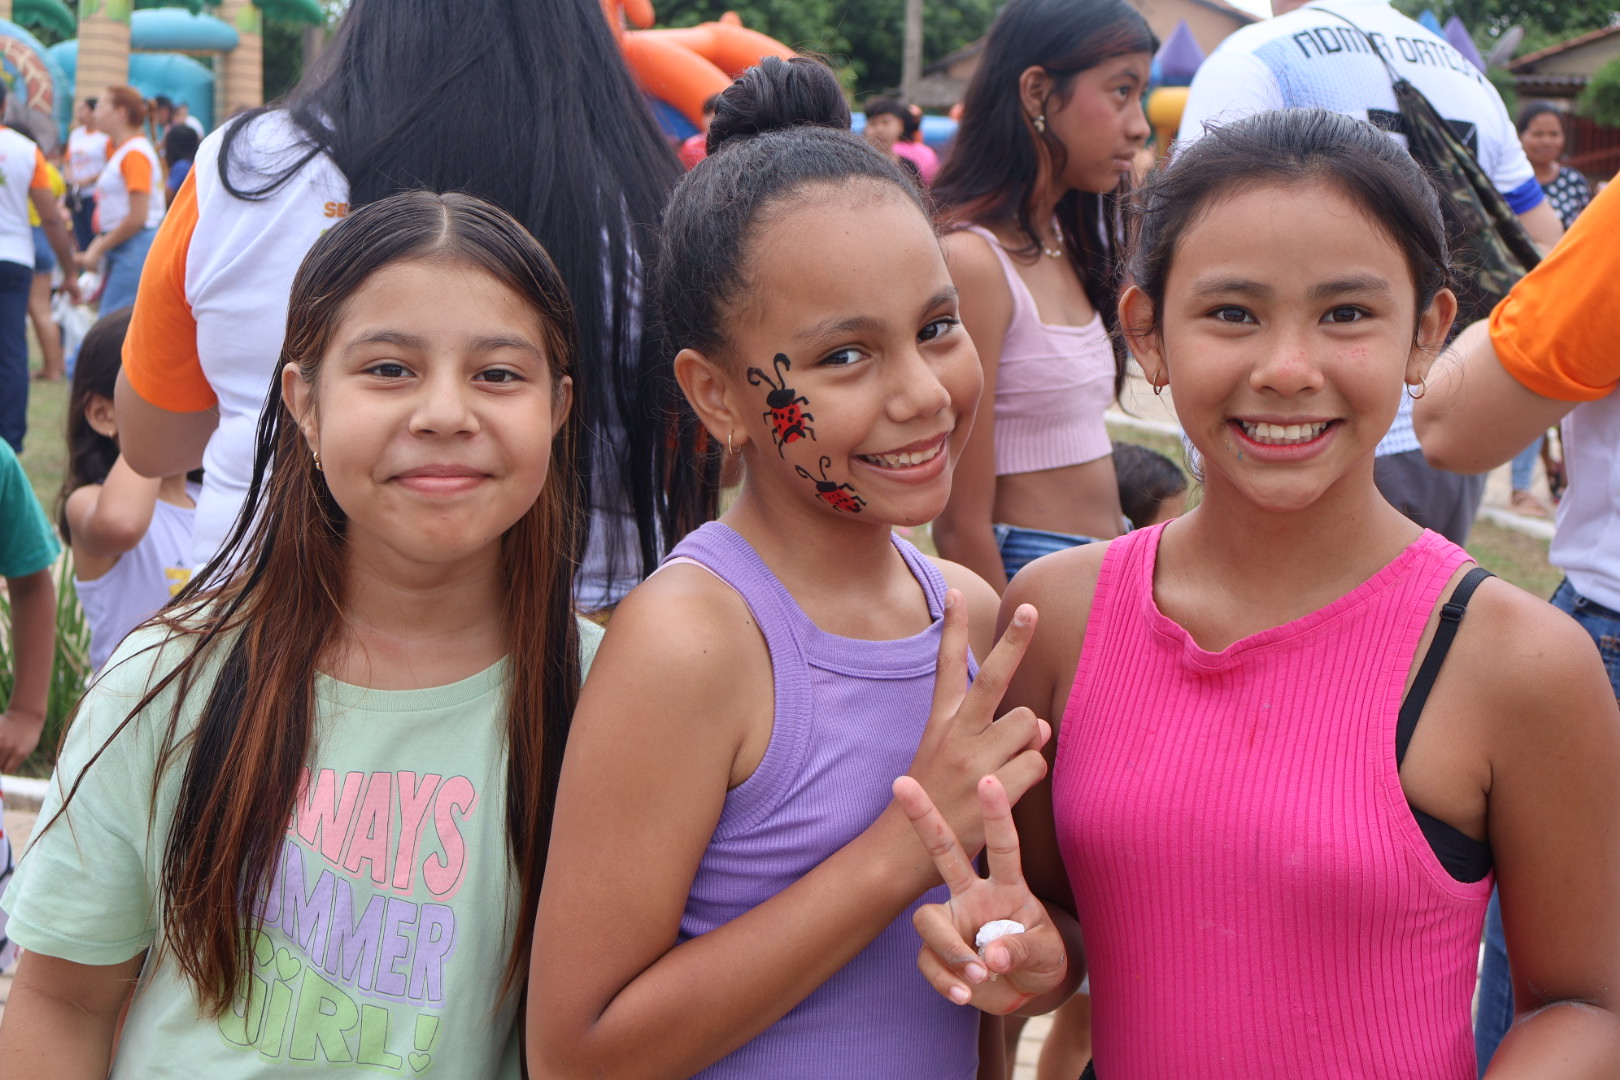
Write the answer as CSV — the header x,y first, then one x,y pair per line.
x,y
1079,499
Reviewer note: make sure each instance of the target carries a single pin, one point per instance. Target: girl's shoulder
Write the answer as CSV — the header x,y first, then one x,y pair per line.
x,y
684,616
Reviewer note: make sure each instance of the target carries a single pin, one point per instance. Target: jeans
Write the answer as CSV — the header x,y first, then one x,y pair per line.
x,y
1019,546
1495,980
1525,464
121,268
84,214
16,280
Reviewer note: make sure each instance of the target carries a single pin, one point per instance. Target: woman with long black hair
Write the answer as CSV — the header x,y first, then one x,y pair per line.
x,y
481,96
1050,124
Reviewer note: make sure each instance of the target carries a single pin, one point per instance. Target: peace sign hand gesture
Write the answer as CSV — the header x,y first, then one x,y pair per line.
x,y
1013,969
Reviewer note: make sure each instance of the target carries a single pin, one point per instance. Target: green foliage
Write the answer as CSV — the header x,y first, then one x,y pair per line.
x,y
1601,98
70,671
1545,22
283,56
863,37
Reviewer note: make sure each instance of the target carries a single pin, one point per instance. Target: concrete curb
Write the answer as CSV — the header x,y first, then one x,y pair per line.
x,y
24,792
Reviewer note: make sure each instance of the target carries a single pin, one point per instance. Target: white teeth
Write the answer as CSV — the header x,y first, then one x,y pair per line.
x,y
901,461
1282,434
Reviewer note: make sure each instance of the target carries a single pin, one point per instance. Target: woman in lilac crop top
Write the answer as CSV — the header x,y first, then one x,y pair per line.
x,y
1051,123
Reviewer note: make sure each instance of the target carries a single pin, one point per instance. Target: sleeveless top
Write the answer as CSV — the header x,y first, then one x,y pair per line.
x,y
141,581
849,715
1053,384
1256,896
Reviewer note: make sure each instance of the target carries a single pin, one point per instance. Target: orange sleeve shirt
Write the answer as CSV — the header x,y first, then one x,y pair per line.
x,y
42,173
1554,332
137,172
160,350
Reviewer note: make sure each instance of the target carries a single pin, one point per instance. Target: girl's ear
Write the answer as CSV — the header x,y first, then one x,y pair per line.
x,y
300,398
1034,87
1433,329
710,393
562,402
98,413
1136,325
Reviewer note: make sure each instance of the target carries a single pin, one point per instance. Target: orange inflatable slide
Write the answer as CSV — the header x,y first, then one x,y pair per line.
x,y
682,68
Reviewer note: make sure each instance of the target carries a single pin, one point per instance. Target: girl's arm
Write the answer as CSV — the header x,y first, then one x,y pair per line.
x,y
962,532
33,634
1036,971
1554,824
134,222
61,1018
681,682
110,518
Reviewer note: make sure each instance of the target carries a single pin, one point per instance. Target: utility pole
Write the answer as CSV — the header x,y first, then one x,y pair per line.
x,y
911,57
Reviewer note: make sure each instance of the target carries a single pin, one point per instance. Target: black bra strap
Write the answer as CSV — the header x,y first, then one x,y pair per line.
x,y
1450,619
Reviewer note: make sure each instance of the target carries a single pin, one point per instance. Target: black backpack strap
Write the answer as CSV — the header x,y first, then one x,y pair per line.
x,y
1451,614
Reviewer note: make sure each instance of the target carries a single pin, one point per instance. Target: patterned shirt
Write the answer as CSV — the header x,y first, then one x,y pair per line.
x,y
1568,194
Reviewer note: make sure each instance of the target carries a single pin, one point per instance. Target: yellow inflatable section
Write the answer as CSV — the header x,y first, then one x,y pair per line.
x,y
684,67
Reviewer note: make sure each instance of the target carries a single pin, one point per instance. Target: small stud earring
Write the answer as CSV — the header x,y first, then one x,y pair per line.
x,y
1040,123
317,455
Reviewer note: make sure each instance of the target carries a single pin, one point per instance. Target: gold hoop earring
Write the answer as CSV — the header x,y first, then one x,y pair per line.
x,y
732,450
1423,388
1040,123
316,454
1158,388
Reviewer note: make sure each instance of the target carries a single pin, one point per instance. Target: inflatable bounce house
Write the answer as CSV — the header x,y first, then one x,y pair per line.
x,y
155,50
679,69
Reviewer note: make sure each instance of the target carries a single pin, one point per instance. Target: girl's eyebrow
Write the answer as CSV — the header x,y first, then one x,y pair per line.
x,y
865,323
1355,283
480,344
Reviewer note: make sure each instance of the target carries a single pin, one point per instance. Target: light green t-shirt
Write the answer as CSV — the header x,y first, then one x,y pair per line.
x,y
389,918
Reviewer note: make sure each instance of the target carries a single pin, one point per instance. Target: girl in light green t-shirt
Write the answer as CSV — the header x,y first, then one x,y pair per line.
x,y
303,813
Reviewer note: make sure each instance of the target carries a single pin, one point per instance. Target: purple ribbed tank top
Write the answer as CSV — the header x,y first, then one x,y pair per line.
x,y
849,715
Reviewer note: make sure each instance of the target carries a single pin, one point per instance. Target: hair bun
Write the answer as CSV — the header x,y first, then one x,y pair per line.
x,y
776,94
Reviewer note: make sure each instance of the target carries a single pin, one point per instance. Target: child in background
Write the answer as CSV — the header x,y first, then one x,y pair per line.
x,y
317,786
52,365
1152,488
179,152
722,895
130,536
1300,735
28,547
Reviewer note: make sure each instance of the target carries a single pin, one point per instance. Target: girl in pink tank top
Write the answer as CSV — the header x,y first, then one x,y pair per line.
x,y
1276,868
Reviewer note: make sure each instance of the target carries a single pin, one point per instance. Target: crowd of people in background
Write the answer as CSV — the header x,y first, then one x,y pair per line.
x,y
510,655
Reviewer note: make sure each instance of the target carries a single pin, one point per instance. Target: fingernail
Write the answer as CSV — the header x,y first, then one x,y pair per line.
x,y
950,599
960,995
1021,616
975,973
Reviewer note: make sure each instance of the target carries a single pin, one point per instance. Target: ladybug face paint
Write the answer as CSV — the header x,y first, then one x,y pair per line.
x,y
785,406
838,496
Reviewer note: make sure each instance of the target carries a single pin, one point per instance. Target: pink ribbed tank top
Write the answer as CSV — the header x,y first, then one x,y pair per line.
x,y
1053,384
1256,898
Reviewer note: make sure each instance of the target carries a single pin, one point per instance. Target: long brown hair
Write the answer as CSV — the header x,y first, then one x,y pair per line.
x,y
267,609
995,163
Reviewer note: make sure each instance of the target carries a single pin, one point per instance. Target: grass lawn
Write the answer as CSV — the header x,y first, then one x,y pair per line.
x,y
44,455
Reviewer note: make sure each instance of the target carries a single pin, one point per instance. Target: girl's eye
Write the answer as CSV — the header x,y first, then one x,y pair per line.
x,y
500,376
1231,314
841,358
1346,314
388,369
939,328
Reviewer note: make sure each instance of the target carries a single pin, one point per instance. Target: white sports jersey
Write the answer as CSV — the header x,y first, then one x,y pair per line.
x,y
1309,58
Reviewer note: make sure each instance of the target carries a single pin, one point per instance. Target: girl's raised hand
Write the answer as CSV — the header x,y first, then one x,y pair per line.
x,y
964,741
1012,969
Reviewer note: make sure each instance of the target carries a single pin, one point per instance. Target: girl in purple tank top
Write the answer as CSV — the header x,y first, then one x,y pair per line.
x,y
1277,869
732,882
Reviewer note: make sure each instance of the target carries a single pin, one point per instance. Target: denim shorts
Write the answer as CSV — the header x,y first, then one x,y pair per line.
x,y
1601,622
44,257
1019,546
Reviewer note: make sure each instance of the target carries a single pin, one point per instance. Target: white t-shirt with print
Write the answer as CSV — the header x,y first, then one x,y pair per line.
x,y
1310,59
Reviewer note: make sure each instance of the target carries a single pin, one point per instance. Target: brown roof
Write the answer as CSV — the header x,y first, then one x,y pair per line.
x,y
1554,50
